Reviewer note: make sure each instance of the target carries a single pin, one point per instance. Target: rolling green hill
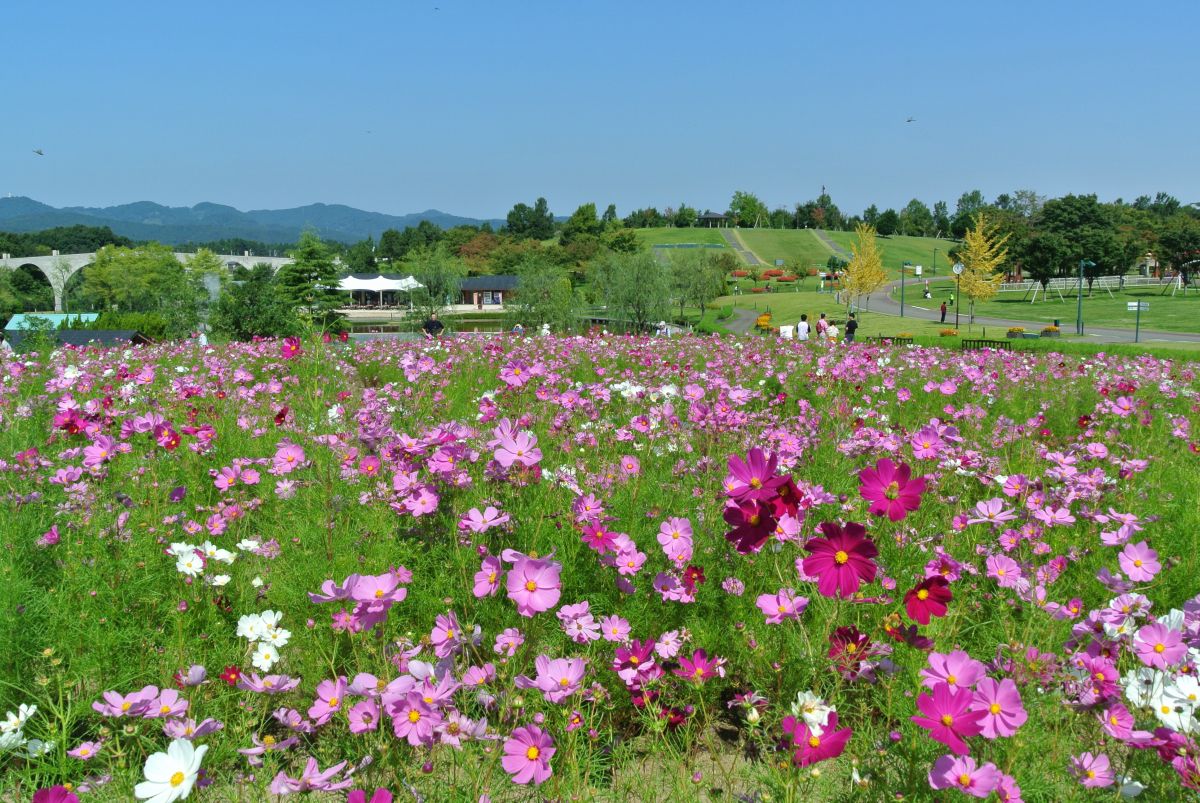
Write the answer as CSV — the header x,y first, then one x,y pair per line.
x,y
665,236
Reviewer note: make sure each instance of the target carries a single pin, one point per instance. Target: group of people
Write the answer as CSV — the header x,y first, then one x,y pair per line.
x,y
825,330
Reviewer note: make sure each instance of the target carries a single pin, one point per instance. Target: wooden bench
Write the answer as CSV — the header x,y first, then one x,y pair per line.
x,y
998,345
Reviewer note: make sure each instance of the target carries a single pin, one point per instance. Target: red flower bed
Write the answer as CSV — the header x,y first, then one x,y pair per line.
x,y
739,274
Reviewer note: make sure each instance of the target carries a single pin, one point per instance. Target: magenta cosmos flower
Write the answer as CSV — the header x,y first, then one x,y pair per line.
x,y
890,489
359,796
810,746
534,585
948,717
842,560
962,773
928,599
752,479
289,349
55,794
700,667
527,755
1001,705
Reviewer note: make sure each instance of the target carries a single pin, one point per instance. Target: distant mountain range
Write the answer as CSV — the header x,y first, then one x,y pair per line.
x,y
206,222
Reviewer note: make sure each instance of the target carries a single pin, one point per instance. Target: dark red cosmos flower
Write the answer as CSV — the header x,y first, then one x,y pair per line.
x,y
786,499
693,575
281,416
928,598
842,560
849,646
911,636
752,524
231,675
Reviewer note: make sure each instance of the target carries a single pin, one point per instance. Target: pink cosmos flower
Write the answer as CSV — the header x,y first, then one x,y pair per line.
x,y
752,479
890,489
1004,570
86,751
381,795
55,794
414,720
700,667
811,746
1139,562
557,678
520,447
534,585
1001,704
780,606
929,598
482,522
842,560
363,716
446,636
1159,646
508,641
991,511
948,718
1093,771
331,696
487,579
614,628
630,466
527,755
578,622
167,704
956,669
288,457
134,704
963,774
289,348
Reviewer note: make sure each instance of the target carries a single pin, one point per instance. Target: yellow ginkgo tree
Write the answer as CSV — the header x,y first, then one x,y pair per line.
x,y
982,253
864,274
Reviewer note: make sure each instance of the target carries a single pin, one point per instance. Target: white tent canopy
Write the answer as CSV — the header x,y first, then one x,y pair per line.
x,y
378,284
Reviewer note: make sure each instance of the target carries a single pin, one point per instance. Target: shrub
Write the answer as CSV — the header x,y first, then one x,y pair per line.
x,y
1016,330
949,333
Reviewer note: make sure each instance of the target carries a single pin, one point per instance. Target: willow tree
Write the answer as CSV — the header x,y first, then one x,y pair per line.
x,y
865,273
982,253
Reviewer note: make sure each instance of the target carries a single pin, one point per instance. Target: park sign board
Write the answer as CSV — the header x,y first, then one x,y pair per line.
x,y
1137,306
779,263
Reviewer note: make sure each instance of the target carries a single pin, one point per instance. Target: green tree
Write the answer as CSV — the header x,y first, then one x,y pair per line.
x,y
888,223
1045,256
250,306
623,241
982,254
391,246
686,216
635,287
916,220
440,273
544,295
309,284
1179,245
696,278
360,257
582,223
870,215
146,279
941,219
535,223
609,218
746,209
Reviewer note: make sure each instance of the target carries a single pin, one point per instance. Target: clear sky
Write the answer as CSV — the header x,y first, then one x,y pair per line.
x,y
469,107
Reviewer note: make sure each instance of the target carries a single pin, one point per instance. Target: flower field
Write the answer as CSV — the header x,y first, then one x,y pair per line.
x,y
597,569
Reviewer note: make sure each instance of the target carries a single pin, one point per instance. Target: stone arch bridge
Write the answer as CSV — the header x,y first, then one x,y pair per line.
x,y
59,268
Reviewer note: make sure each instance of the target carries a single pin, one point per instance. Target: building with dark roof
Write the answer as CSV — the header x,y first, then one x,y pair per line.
x,y
480,291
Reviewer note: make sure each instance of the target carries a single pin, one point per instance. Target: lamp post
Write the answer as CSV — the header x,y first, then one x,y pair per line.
x,y
902,268
1083,263
958,269
933,265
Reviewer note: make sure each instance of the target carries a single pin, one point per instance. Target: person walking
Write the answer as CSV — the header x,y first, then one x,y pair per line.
x,y
822,326
952,298
851,328
943,312
802,328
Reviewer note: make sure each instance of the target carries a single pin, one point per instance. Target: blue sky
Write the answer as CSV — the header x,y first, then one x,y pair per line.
x,y
398,107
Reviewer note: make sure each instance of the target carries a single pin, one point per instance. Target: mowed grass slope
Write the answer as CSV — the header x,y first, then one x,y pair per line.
x,y
666,236
797,246
897,250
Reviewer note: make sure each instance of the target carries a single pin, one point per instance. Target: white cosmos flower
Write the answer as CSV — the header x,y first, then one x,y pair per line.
x,y
250,626
257,582
14,722
265,656
277,636
247,545
36,748
11,740
179,548
191,565
1129,787
1184,690
1170,713
171,775
270,619
1141,685
213,552
813,710
219,580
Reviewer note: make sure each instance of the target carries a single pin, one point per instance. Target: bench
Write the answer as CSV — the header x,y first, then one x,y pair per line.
x,y
998,345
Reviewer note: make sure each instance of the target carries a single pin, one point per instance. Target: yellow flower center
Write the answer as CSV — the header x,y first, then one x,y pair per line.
x,y
414,715
964,780
1138,563
449,634
923,595
1113,720
177,779
1166,709
852,648
1001,572
492,577
675,535
814,742
633,659
530,585
532,753
1090,774
268,741
564,682
166,709
783,609
126,706
333,702
892,491
840,556
755,482
951,679
947,720
994,708
83,751
1160,648
754,519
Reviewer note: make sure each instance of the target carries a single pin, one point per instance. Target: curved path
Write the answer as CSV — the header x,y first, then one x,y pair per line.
x,y
882,302
839,251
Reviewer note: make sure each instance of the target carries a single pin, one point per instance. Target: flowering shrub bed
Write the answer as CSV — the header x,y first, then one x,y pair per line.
x,y
601,568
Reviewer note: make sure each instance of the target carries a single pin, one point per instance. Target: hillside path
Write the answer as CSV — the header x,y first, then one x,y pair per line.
x,y
828,242
736,244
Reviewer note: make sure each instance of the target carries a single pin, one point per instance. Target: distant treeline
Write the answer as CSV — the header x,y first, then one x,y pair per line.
x,y
64,239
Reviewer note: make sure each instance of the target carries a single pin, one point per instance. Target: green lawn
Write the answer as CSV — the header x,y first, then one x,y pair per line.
x,y
1166,313
794,245
665,236
897,250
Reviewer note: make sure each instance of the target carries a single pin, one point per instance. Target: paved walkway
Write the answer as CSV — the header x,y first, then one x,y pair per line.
x,y
838,250
736,244
882,302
